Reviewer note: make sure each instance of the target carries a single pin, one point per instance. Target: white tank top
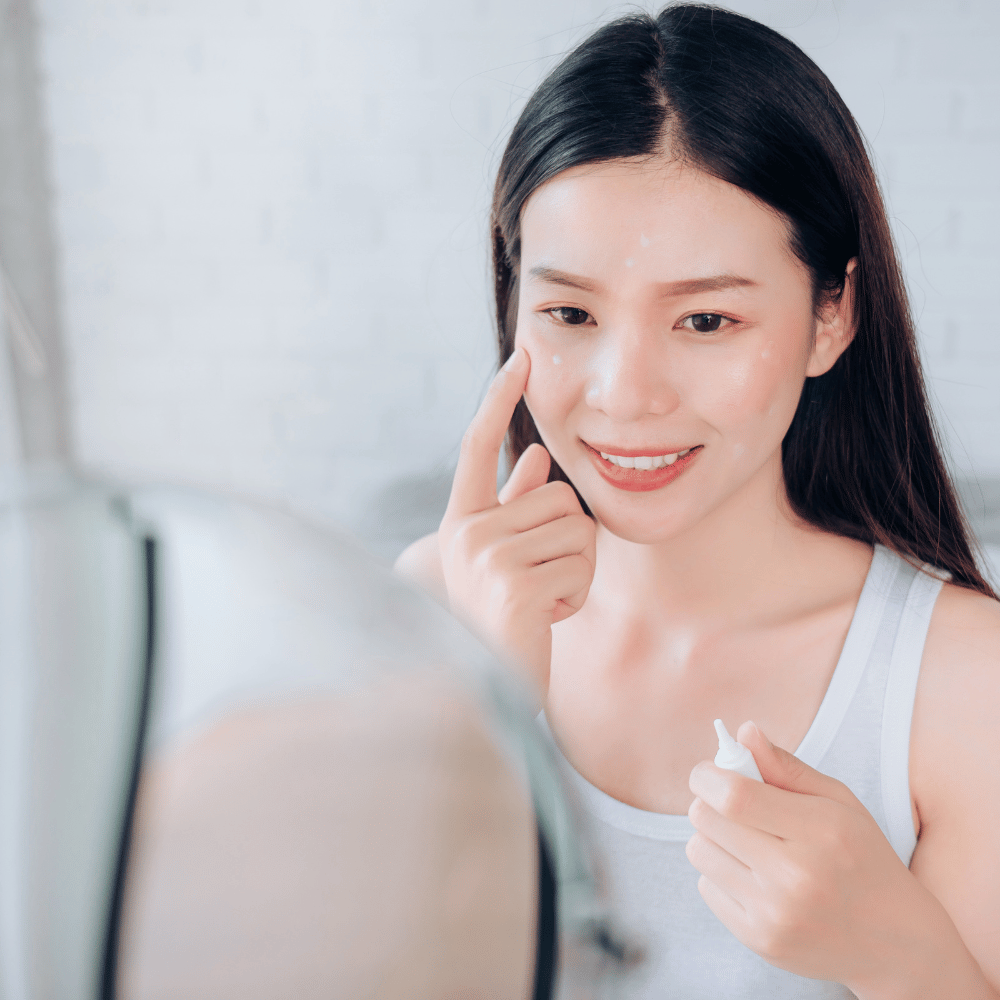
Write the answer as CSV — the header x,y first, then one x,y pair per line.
x,y
860,735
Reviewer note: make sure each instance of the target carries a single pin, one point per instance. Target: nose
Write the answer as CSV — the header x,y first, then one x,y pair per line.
x,y
630,377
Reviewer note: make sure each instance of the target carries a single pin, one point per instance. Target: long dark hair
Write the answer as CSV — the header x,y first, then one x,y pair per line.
x,y
741,102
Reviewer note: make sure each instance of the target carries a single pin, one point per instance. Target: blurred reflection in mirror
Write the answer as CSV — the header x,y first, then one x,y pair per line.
x,y
344,792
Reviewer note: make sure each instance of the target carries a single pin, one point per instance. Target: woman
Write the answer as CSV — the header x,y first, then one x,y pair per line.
x,y
728,501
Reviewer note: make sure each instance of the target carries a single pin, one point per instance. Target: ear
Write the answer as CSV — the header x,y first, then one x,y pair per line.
x,y
834,326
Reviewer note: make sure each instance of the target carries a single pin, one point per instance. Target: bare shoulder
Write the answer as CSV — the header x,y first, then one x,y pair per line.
x,y
961,661
966,616
953,776
420,563
958,693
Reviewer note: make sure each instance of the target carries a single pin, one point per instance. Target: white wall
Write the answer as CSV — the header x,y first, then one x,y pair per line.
x,y
10,445
272,221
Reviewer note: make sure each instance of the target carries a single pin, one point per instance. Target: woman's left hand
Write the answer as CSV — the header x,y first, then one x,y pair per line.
x,y
797,868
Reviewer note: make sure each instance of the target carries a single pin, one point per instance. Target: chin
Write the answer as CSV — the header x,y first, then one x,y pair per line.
x,y
643,527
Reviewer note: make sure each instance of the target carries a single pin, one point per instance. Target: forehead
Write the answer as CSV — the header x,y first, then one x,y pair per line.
x,y
592,214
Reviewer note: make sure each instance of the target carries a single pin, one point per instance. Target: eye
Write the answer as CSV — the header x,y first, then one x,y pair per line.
x,y
706,322
574,317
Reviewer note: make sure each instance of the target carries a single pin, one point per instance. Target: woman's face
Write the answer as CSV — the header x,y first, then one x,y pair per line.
x,y
663,311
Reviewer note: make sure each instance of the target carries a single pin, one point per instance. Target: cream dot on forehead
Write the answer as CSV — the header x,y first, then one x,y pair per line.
x,y
608,208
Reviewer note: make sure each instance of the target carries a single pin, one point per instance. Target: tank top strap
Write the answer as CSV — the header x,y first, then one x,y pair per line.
x,y
897,708
868,647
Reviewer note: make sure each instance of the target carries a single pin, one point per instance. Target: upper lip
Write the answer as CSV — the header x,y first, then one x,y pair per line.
x,y
653,450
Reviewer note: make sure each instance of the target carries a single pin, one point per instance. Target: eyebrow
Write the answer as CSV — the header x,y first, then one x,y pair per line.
x,y
667,289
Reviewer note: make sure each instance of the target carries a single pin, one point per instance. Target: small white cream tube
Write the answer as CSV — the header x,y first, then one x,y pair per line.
x,y
734,756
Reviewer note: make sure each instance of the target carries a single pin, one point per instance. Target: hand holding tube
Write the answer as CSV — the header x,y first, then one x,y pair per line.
x,y
798,869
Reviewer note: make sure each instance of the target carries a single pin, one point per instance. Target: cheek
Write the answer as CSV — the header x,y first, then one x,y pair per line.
x,y
759,380
756,389
552,382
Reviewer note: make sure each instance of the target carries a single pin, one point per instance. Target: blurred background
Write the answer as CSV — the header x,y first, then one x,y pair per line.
x,y
244,242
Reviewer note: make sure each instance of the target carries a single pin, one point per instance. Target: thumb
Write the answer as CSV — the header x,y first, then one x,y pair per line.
x,y
530,472
782,769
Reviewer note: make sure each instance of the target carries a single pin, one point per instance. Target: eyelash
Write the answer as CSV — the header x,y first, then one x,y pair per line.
x,y
555,309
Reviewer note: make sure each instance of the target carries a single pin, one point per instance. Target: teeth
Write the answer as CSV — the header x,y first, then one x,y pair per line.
x,y
644,461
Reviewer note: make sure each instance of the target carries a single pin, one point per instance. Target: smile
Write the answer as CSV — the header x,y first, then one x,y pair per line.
x,y
644,461
640,473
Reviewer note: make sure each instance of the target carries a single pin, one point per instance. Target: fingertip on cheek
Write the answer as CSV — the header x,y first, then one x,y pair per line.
x,y
519,352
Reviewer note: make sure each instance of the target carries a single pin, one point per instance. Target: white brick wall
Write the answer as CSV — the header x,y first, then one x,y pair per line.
x,y
272,219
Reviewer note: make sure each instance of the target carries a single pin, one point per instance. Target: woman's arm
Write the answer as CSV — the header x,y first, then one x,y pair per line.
x,y
955,777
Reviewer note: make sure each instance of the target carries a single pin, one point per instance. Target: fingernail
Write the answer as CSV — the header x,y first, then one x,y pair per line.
x,y
760,733
514,359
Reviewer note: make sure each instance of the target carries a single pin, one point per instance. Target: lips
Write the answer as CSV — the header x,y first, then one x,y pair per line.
x,y
639,480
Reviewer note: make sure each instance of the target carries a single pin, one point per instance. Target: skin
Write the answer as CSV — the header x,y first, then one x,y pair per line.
x,y
262,866
707,598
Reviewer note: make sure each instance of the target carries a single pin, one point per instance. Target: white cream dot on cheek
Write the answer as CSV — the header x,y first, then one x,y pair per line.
x,y
680,648
629,262
643,240
556,360
738,450
765,354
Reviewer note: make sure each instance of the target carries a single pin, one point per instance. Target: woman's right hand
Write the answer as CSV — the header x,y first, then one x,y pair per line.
x,y
516,563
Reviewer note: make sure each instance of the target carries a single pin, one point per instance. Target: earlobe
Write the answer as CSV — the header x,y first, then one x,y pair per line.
x,y
835,327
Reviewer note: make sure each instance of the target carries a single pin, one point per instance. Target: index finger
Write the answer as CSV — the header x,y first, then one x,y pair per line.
x,y
475,485
736,799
